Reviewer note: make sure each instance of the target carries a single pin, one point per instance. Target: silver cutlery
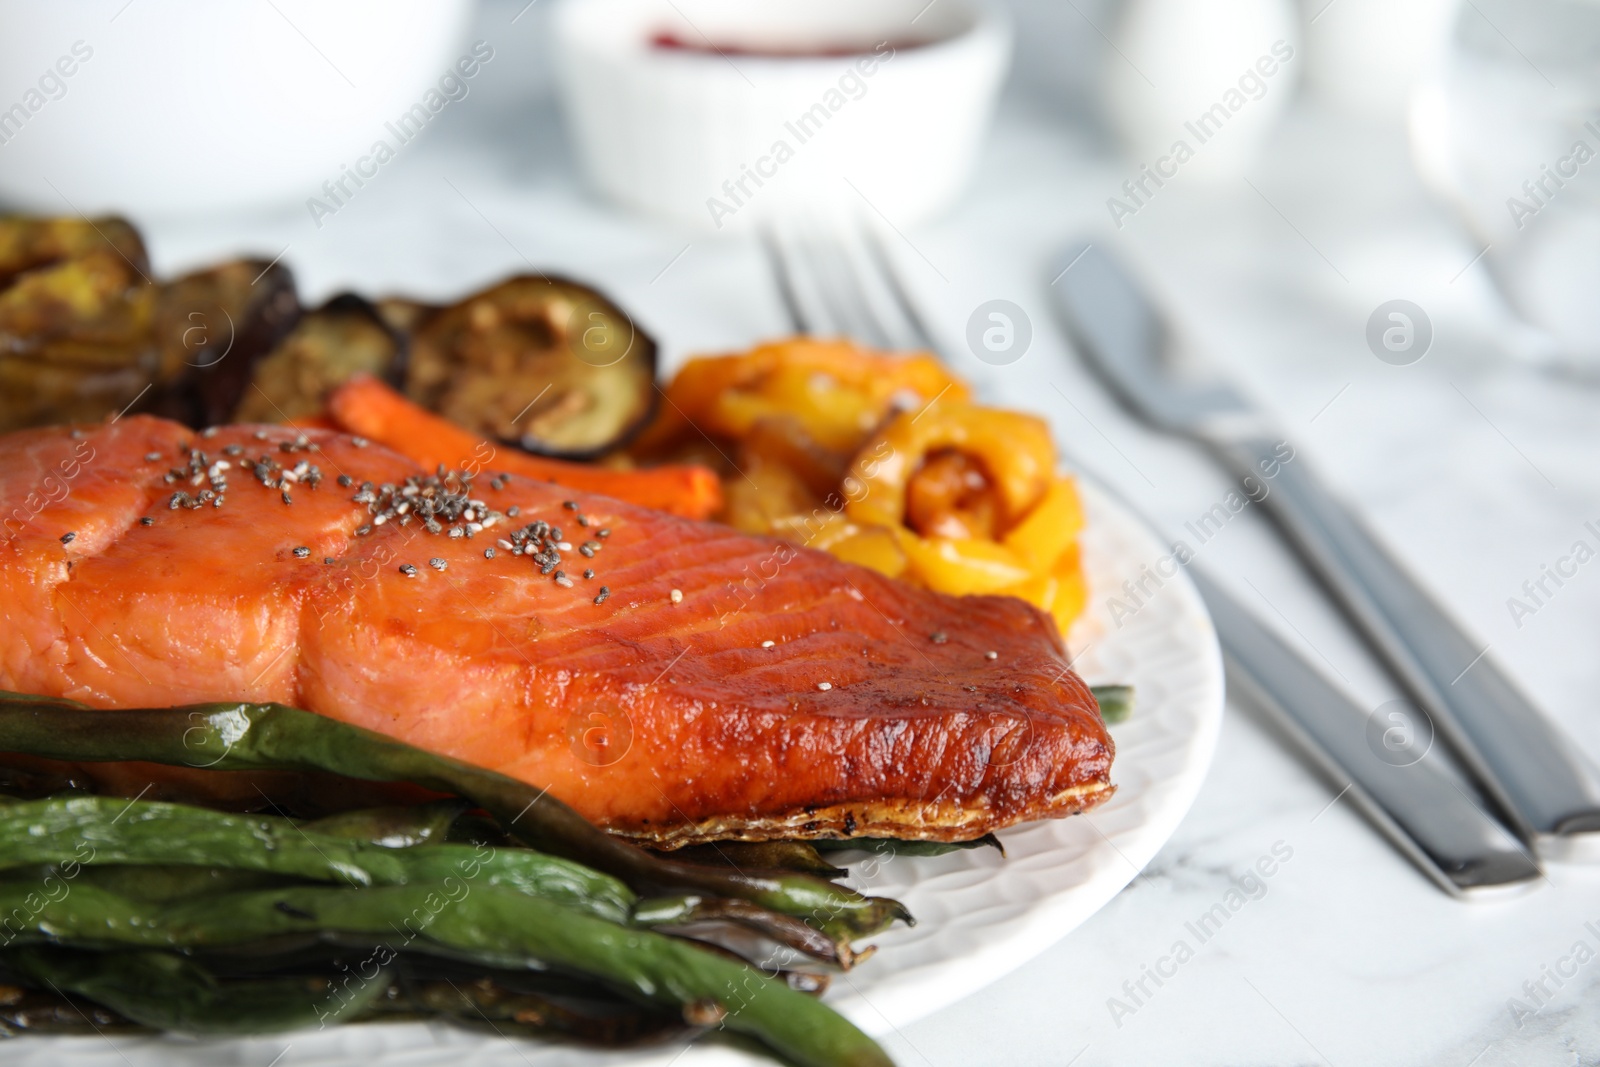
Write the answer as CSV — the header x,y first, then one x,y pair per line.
x,y
842,283
1548,789
1399,786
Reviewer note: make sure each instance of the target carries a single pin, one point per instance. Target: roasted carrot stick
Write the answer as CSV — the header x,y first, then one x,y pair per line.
x,y
368,408
319,421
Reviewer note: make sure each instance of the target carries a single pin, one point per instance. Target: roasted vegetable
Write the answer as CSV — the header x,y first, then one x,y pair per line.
x,y
326,348
496,1005
1116,701
685,910
972,499
241,736
167,992
490,907
76,315
491,925
404,315
368,408
213,994
881,460
543,362
107,830
98,895
887,846
29,242
764,855
85,332
213,325
27,1010
395,826
837,392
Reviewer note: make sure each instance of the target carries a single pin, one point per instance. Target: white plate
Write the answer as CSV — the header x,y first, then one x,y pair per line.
x,y
979,915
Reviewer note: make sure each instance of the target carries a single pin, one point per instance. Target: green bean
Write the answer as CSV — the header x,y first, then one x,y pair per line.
x,y
763,856
182,851
102,830
26,1010
167,992
484,1002
396,826
891,846
1116,701
157,884
684,909
506,1003
489,925
242,736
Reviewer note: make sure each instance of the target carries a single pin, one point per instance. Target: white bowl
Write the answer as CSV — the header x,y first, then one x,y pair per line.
x,y
175,107
724,134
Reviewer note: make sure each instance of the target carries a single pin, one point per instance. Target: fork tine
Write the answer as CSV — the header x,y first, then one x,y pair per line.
x,y
802,275
851,303
778,262
921,336
837,279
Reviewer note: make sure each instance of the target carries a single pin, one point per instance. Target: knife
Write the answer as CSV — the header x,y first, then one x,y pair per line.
x,y
1400,786
1548,790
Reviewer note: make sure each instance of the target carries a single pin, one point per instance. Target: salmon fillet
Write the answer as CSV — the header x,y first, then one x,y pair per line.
x,y
702,685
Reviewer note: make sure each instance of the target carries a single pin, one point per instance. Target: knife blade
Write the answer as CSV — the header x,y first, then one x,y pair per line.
x,y
1548,789
1401,788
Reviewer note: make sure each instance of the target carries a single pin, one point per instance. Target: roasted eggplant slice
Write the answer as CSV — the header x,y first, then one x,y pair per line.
x,y
344,337
213,326
30,242
76,341
545,363
404,315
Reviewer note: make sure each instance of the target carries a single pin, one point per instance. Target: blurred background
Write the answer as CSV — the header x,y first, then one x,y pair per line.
x,y
1455,118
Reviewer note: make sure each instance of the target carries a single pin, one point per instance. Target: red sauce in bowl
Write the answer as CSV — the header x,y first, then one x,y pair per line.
x,y
668,41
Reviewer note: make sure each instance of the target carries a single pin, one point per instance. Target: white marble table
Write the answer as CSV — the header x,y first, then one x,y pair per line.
x,y
1477,471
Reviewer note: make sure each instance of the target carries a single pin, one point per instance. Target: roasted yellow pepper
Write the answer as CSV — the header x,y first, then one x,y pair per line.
x,y
1014,451
838,392
1007,521
882,461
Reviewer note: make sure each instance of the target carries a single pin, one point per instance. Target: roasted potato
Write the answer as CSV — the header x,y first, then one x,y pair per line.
x,y
76,314
28,243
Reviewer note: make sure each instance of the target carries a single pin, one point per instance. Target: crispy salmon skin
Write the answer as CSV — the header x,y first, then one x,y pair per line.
x,y
701,685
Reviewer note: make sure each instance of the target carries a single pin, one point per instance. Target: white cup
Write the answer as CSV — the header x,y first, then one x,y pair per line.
x,y
882,108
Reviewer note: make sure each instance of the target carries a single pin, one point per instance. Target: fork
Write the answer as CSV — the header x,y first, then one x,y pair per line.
x,y
836,278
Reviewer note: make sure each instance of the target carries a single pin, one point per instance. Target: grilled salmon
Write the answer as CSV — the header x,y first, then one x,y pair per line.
x,y
675,681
